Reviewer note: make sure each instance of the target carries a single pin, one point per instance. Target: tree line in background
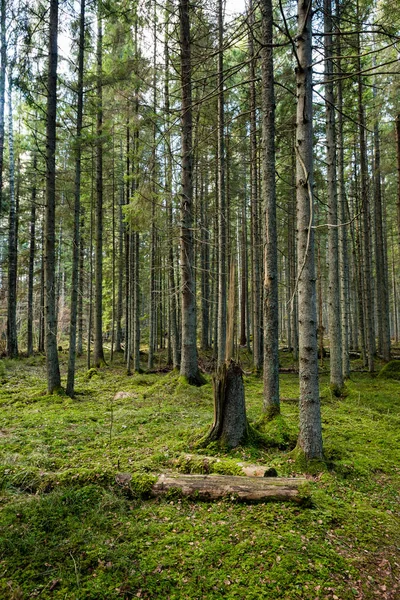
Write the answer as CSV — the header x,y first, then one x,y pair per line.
x,y
149,150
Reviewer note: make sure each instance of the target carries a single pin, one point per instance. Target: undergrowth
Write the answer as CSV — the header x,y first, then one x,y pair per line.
x,y
70,530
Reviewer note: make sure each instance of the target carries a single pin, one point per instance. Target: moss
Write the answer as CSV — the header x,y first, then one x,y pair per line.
x,y
276,432
141,483
91,373
302,464
391,370
207,464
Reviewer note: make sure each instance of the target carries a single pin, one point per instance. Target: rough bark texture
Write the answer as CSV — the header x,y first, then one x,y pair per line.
x,y
255,241
53,369
382,278
77,208
230,421
189,366
398,175
271,313
335,334
98,351
310,437
3,59
246,489
342,212
32,248
12,337
222,238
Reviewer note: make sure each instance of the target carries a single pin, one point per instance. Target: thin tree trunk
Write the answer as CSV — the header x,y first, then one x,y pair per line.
x,y
222,224
53,369
189,366
255,238
12,337
310,436
382,305
98,351
334,317
271,405
77,210
3,59
32,247
41,336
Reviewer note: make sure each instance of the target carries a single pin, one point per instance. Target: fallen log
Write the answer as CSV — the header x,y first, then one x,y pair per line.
x,y
198,463
246,489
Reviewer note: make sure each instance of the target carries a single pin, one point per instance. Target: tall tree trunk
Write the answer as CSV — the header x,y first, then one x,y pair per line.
x,y
342,211
98,351
255,238
3,59
222,224
365,223
334,319
41,333
189,366
382,278
32,248
53,369
153,233
398,175
173,291
77,209
118,339
310,436
271,405
12,337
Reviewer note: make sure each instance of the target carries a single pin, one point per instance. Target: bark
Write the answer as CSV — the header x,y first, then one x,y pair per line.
x,y
310,436
255,239
3,59
98,351
118,339
32,248
246,489
222,223
12,336
77,210
41,336
153,233
53,369
342,211
365,226
271,405
242,232
173,292
334,317
398,175
230,426
189,366
382,278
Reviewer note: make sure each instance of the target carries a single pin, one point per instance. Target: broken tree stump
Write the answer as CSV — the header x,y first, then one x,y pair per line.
x,y
246,489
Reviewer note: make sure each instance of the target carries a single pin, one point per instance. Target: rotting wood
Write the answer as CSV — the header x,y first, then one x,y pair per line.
x,y
245,489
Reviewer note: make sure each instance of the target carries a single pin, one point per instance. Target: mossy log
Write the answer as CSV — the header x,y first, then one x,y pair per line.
x,y
245,489
198,463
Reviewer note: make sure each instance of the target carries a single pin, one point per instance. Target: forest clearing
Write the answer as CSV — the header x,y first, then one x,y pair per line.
x,y
69,529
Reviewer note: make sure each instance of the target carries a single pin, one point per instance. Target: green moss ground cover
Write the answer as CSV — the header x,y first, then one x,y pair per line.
x,y
70,531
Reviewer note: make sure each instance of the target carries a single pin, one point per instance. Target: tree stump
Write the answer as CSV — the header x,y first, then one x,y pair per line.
x,y
230,426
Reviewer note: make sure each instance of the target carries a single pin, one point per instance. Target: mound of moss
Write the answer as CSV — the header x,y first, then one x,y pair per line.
x,y
391,370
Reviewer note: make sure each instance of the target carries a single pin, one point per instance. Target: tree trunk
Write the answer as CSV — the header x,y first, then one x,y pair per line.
x,y
230,426
334,318
3,58
245,489
271,313
255,239
53,369
98,351
310,436
32,247
12,337
398,175
189,366
222,224
382,278
77,209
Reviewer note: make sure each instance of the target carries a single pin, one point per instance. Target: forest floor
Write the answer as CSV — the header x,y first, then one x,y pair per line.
x,y
69,531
